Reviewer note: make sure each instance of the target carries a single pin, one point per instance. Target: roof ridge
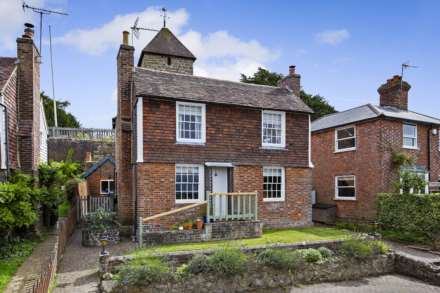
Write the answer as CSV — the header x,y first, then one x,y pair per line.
x,y
213,78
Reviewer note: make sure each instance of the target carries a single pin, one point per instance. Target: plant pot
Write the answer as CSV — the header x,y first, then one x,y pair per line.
x,y
187,226
199,224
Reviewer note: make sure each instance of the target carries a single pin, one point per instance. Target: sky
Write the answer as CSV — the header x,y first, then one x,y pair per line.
x,y
344,50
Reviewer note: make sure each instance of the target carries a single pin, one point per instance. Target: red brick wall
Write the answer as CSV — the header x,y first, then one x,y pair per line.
x,y
123,138
370,163
105,172
233,134
156,194
10,101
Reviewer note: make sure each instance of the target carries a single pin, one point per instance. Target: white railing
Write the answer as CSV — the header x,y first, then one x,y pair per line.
x,y
81,133
232,206
91,204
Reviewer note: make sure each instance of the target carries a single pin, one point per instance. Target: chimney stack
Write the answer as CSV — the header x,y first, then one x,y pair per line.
x,y
292,81
394,93
28,31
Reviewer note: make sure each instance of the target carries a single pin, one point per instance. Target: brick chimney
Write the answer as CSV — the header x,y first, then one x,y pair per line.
x,y
394,93
28,101
123,143
292,81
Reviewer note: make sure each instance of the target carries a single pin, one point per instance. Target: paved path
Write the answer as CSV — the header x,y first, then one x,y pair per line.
x,y
78,271
383,284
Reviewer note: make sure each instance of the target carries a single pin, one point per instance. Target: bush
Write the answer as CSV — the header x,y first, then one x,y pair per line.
x,y
227,261
326,252
144,272
101,221
280,259
416,216
310,255
15,247
198,264
357,248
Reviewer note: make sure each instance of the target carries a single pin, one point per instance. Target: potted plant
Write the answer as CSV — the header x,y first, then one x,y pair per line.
x,y
199,224
187,225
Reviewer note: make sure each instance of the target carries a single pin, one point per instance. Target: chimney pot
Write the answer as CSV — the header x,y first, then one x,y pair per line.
x,y
28,31
125,38
292,70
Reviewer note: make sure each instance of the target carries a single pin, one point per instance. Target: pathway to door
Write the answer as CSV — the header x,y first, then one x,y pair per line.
x,y
78,271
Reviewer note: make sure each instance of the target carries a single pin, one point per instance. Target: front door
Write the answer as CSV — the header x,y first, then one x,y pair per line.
x,y
220,184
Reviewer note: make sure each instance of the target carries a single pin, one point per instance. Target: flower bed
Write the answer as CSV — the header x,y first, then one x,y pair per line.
x,y
230,270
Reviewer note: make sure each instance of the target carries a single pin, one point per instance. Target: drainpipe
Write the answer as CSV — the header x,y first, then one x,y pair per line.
x,y
429,151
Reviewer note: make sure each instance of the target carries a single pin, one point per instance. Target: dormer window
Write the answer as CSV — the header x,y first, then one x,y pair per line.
x,y
190,123
273,129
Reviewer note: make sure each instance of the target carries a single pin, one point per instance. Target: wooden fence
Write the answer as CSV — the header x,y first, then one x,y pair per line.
x,y
91,204
232,206
81,133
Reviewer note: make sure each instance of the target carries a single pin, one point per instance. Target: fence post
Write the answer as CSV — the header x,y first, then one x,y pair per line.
x,y
140,231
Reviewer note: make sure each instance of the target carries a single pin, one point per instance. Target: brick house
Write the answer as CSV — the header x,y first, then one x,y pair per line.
x,y
23,128
180,136
352,151
100,177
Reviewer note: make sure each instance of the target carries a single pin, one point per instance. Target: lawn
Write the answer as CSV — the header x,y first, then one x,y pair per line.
x,y
269,237
8,266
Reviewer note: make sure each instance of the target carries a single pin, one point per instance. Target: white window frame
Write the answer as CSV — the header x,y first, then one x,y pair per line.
x,y
337,197
108,185
139,130
416,147
283,129
337,149
283,185
201,184
202,139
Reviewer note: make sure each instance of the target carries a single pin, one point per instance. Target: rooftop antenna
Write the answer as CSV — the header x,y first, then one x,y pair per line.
x,y
55,114
41,12
164,15
135,30
405,65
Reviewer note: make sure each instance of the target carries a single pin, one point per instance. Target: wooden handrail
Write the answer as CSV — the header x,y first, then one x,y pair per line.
x,y
173,211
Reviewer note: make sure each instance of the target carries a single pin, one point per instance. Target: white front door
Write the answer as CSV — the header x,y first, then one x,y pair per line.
x,y
220,184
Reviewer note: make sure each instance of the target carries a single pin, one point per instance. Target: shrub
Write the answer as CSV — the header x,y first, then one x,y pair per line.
x,y
101,221
15,247
227,261
409,215
198,264
310,255
357,248
280,259
379,247
144,272
326,252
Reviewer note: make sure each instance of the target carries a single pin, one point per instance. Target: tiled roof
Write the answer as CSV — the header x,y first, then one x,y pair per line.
x,y
152,83
98,164
369,111
7,65
166,43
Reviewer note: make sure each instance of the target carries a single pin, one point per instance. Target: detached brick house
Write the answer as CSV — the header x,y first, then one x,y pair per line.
x,y
23,128
180,136
352,151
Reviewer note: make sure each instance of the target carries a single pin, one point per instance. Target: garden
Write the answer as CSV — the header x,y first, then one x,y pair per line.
x,y
231,268
29,206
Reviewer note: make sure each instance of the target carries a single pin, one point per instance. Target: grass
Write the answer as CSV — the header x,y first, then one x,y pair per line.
x,y
8,266
269,237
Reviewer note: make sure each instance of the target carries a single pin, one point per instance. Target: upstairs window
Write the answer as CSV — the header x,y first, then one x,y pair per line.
x,y
190,123
345,187
345,139
273,186
189,183
410,136
107,186
273,129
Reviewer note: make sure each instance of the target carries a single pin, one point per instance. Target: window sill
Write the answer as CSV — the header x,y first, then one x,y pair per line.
x,y
274,148
273,200
179,202
410,148
345,199
191,143
345,150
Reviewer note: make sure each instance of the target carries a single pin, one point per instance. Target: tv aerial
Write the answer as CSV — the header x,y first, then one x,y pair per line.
x,y
136,30
405,65
41,12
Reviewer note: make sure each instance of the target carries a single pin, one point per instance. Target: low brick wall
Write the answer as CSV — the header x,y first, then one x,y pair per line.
x,y
212,231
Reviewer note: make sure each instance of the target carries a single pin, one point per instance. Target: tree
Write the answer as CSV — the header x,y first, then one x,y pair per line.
x,y
317,103
65,119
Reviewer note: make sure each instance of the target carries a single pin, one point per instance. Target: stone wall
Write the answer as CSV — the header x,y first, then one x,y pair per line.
x,y
58,148
168,63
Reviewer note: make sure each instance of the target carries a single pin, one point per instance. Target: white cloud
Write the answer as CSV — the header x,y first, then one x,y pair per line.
x,y
333,37
219,54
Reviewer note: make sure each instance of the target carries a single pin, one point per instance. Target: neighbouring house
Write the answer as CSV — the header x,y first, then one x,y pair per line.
x,y
353,151
180,137
23,128
100,177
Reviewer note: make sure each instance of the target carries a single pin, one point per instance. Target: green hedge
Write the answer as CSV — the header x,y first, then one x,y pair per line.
x,y
408,213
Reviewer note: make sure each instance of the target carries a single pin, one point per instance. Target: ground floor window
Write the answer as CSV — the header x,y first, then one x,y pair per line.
x,y
107,186
273,183
189,183
422,173
345,187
